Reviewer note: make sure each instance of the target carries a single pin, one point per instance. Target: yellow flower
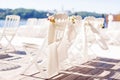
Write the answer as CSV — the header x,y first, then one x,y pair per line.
x,y
101,25
72,19
51,19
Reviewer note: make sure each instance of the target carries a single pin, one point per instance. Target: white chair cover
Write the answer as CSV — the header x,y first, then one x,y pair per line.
x,y
50,64
57,36
87,36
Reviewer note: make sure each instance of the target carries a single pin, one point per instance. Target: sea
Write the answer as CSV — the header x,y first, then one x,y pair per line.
x,y
22,22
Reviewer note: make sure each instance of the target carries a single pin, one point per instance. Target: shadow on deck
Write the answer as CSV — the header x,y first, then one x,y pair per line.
x,y
96,69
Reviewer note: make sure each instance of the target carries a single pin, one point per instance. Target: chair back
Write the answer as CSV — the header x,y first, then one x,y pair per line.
x,y
11,24
31,22
88,21
60,16
60,25
78,23
78,18
12,21
57,29
99,22
88,18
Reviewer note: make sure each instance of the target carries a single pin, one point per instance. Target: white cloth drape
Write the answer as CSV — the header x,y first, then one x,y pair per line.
x,y
52,60
80,48
57,49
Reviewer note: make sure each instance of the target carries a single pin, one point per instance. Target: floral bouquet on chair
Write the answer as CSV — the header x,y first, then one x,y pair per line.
x,y
51,19
72,19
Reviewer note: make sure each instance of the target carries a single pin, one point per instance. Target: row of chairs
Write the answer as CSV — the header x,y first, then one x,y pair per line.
x,y
59,41
9,30
59,38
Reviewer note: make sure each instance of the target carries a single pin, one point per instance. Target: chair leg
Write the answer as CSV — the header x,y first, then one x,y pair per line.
x,y
1,40
9,44
27,68
32,62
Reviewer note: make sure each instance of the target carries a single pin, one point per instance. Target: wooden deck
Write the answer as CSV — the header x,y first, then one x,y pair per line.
x,y
97,69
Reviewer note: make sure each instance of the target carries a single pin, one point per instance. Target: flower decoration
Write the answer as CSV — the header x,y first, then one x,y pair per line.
x,y
51,19
72,19
86,23
101,25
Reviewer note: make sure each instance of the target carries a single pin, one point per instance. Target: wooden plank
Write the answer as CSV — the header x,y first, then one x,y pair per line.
x,y
83,78
71,77
59,76
108,60
100,65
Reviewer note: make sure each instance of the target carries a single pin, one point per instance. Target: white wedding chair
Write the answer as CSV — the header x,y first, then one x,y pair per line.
x,y
31,22
96,32
79,48
50,61
90,22
85,38
10,27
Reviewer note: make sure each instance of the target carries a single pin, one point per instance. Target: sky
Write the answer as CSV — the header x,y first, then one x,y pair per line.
x,y
99,6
